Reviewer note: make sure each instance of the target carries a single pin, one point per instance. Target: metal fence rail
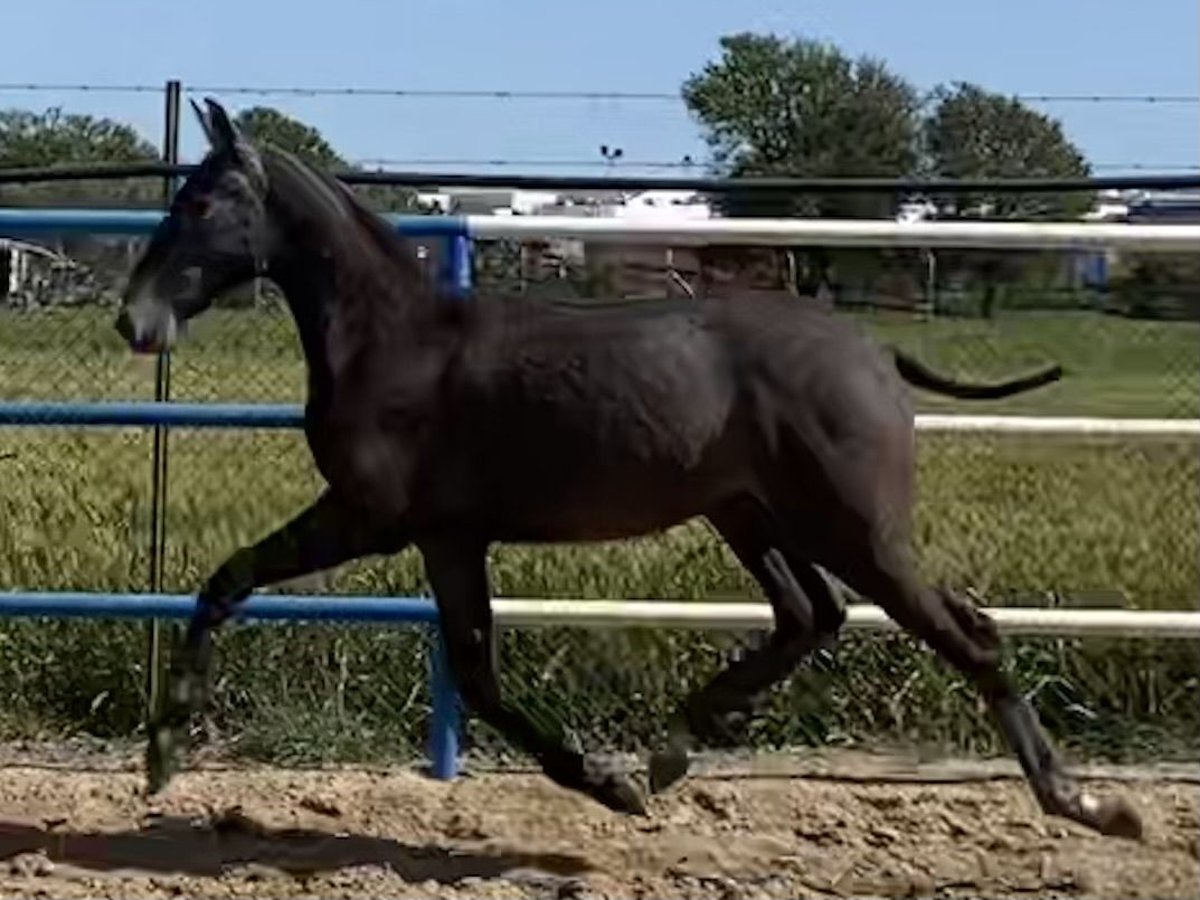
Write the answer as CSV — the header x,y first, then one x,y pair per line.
x,y
756,232
445,721
285,415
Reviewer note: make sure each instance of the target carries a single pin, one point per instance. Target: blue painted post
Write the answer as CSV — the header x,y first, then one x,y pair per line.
x,y
446,720
456,266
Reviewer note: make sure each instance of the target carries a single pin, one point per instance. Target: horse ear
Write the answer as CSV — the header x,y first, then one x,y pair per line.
x,y
204,123
222,133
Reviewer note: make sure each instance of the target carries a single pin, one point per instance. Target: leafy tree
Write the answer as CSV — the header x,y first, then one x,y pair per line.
x,y
49,138
973,133
53,138
264,124
268,125
803,108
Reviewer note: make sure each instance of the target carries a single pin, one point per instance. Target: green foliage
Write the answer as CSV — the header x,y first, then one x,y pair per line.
x,y
803,108
772,106
977,134
55,138
267,125
52,137
1156,286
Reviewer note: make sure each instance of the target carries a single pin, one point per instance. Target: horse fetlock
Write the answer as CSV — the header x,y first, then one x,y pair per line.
x,y
161,756
187,693
725,723
612,789
596,778
1110,816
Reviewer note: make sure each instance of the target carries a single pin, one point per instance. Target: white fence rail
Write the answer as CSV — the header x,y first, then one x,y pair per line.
x,y
523,613
843,233
1077,426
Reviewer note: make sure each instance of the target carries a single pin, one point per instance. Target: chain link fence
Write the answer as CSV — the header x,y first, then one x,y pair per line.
x,y
1016,519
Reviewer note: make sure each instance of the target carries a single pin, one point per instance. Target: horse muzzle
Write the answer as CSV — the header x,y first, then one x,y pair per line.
x,y
147,330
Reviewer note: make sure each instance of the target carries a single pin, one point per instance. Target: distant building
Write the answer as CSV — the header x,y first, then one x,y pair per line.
x,y
1165,207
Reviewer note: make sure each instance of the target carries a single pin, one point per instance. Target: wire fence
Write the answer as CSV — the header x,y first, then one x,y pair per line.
x,y
1061,521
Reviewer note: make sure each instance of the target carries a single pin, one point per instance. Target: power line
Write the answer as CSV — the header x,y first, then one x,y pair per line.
x,y
500,94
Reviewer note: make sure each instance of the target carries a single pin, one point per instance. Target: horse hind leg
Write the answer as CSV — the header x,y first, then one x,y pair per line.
x,y
807,616
968,640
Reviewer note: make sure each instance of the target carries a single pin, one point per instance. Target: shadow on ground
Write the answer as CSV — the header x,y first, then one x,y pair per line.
x,y
179,846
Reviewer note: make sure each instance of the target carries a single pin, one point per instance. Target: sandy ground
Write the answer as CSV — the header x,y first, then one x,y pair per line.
x,y
825,826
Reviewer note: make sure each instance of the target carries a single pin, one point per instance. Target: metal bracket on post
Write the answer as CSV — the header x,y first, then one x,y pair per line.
x,y
446,710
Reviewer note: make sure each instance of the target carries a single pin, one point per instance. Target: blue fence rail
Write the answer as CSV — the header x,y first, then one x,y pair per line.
x,y
445,718
455,276
452,231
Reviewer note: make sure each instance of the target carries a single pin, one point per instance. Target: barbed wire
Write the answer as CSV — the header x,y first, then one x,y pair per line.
x,y
613,181
502,94
681,164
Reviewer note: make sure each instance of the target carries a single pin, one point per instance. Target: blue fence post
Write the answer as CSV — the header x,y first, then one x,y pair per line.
x,y
446,719
456,265
455,275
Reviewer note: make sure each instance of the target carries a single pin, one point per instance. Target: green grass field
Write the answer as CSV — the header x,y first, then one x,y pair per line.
x,y
1018,519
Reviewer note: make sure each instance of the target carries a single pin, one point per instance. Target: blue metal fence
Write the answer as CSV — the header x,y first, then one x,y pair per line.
x,y
455,274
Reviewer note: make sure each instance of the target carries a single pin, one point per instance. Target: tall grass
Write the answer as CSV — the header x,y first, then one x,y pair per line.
x,y
1017,519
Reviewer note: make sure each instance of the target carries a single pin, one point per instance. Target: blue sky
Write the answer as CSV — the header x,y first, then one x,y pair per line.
x,y
1015,46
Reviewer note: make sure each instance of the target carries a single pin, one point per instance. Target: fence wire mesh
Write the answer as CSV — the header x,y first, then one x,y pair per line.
x,y
1029,519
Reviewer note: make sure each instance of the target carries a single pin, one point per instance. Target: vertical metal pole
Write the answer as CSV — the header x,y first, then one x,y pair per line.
x,y
456,264
446,718
162,392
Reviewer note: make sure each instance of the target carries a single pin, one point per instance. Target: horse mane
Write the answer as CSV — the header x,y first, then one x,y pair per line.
x,y
314,187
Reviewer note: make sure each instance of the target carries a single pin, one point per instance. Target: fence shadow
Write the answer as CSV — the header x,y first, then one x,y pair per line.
x,y
178,846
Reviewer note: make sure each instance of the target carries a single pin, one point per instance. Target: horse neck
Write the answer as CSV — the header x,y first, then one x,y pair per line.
x,y
346,286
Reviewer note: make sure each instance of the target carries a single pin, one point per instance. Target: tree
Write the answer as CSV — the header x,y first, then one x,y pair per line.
x,y
973,133
50,138
803,108
264,124
53,138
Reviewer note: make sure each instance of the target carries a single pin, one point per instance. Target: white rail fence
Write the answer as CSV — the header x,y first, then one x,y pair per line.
x,y
1029,621
843,233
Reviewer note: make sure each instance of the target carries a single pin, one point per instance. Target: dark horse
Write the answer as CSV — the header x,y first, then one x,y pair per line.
x,y
450,425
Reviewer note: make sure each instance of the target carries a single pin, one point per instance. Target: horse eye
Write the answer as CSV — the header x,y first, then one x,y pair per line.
x,y
202,207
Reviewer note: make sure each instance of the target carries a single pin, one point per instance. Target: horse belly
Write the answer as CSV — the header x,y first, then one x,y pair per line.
x,y
606,502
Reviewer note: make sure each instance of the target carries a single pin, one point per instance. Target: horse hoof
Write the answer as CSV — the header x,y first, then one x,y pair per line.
x,y
666,768
160,754
1115,817
618,794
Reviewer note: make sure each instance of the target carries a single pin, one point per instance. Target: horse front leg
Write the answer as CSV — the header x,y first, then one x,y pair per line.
x,y
324,535
457,572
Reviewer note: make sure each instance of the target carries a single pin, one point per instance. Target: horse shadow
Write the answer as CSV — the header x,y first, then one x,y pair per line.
x,y
178,846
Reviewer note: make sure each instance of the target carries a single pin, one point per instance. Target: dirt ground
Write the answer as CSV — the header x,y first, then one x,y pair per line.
x,y
840,825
